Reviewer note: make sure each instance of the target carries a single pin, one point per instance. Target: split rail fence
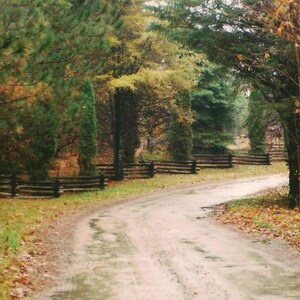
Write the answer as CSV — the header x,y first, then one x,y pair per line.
x,y
278,151
129,171
12,186
252,159
175,167
149,169
229,160
221,161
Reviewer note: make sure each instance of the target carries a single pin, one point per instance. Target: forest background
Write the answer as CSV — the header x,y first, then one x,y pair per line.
x,y
87,78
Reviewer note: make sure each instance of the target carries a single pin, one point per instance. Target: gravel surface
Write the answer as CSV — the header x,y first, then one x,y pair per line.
x,y
167,245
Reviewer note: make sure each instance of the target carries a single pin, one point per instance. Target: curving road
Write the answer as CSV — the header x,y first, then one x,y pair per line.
x,y
167,246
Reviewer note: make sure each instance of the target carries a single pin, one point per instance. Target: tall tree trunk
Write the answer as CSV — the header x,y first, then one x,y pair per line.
x,y
297,119
130,132
117,138
293,162
125,130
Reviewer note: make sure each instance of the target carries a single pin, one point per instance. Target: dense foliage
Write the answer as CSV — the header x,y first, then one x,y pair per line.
x,y
154,85
256,122
212,104
88,131
256,39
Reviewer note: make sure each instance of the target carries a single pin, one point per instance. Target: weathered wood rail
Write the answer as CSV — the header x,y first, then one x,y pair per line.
x,y
7,186
149,168
278,153
37,189
221,161
82,183
252,159
136,171
175,167
107,170
130,171
12,186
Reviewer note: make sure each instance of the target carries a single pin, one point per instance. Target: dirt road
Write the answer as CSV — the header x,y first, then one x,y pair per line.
x,y
167,246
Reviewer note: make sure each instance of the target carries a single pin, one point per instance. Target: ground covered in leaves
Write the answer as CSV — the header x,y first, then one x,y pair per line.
x,y
267,215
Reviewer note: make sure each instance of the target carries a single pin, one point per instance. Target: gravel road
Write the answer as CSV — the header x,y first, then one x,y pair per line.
x,y
167,246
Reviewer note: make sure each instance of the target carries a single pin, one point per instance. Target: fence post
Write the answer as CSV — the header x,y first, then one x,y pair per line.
x,y
56,187
194,167
230,160
268,157
14,185
102,182
151,169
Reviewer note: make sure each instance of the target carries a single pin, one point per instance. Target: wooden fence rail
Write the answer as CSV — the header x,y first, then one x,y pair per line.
x,y
175,167
7,186
278,155
214,161
12,186
229,160
150,168
252,159
82,183
130,171
141,170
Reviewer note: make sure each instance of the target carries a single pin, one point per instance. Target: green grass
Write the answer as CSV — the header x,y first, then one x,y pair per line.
x,y
20,220
263,224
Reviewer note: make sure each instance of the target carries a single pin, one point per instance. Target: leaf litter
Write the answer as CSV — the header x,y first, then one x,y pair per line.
x,y
265,215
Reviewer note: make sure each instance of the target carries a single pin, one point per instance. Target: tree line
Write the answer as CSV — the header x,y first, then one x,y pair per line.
x,y
73,71
259,42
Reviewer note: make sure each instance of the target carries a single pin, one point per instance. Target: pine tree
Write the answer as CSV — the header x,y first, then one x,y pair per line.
x,y
142,63
256,122
212,106
236,36
88,131
45,53
40,128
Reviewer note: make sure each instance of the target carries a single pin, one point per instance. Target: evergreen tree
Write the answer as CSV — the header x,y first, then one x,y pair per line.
x,y
235,35
212,109
40,128
256,122
181,130
141,63
45,51
88,131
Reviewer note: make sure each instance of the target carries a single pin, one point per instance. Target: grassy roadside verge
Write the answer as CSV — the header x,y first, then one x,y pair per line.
x,y
265,215
22,220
